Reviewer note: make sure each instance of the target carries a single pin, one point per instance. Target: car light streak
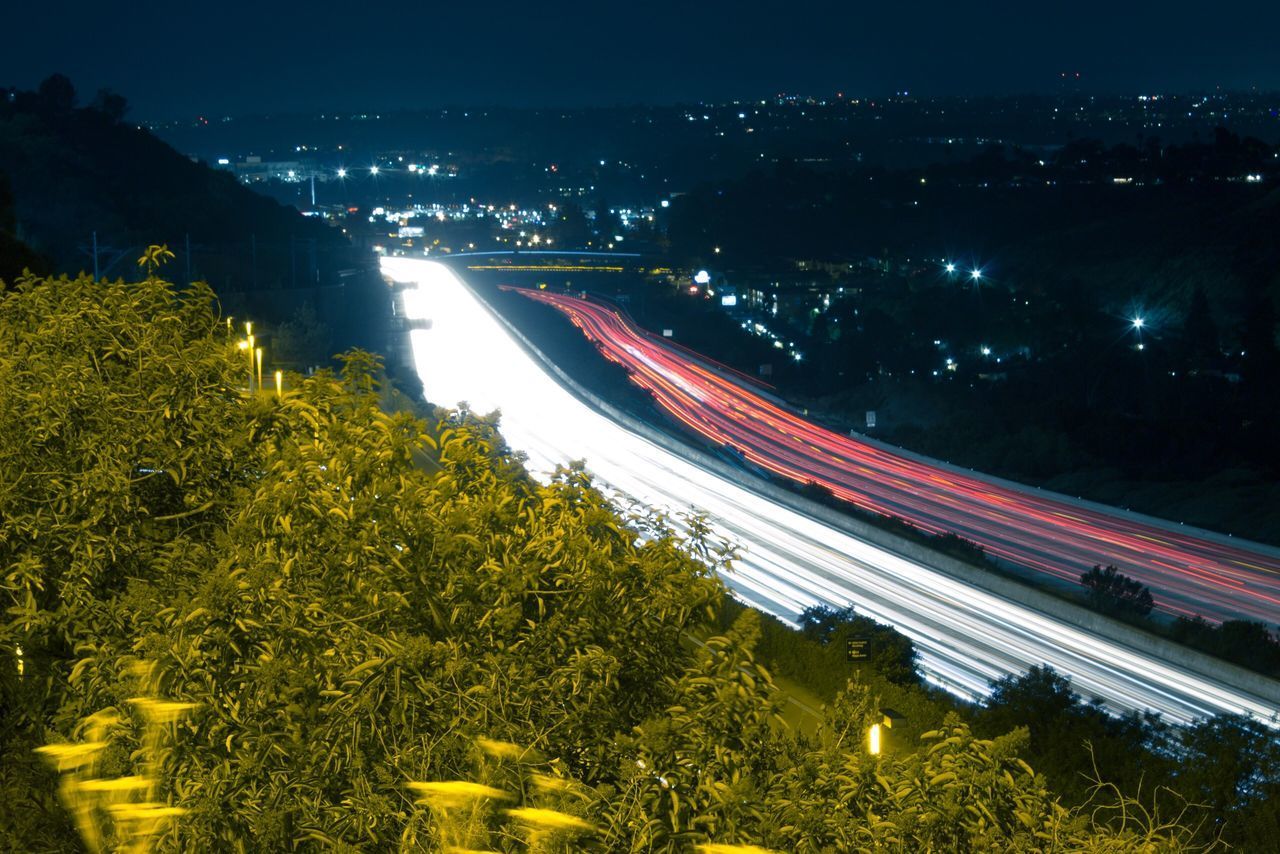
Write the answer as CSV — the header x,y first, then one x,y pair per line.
x,y
965,636
1187,573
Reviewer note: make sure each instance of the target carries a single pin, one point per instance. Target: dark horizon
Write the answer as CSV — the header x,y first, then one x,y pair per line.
x,y
175,62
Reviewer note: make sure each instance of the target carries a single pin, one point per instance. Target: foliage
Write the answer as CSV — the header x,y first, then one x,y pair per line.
x,y
1242,642
1113,592
891,654
302,341
337,623
1127,750
1232,765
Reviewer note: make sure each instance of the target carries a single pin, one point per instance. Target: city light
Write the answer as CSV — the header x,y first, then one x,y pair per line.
x,y
342,173
702,277
950,267
873,740
1138,322
975,274
373,170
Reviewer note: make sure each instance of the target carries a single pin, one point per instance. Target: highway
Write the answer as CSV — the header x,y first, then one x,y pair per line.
x,y
1189,573
788,561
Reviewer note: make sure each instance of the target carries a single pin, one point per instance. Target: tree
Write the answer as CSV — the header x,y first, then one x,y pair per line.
x,y
1231,764
57,94
110,104
571,227
15,256
1199,333
1113,592
1247,643
1258,339
1072,741
607,224
892,654
304,340
338,640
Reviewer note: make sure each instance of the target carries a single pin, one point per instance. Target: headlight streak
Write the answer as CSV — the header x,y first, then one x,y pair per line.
x,y
965,636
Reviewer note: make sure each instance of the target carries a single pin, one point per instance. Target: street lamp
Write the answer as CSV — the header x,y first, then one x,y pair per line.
x,y
975,274
342,172
873,740
258,354
279,384
247,346
950,266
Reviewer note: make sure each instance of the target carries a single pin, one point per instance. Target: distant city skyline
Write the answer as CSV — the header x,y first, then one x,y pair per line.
x,y
235,58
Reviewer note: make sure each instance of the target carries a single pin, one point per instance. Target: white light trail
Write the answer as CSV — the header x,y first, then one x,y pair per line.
x,y
965,636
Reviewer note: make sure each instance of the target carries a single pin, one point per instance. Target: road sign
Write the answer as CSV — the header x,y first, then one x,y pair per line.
x,y
871,418
858,649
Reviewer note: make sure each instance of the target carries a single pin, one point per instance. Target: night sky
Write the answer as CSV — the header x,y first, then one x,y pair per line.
x,y
177,60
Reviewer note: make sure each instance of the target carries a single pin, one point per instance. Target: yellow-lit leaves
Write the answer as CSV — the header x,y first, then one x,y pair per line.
x,y
544,819
454,794
71,757
161,711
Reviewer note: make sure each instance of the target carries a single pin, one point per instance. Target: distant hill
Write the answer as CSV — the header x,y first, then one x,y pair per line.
x,y
73,171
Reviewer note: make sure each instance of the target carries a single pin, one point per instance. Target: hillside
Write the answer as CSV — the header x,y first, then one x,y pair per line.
x,y
74,171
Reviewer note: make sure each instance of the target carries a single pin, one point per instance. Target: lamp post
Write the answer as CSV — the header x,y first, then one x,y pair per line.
x,y
279,384
258,356
251,349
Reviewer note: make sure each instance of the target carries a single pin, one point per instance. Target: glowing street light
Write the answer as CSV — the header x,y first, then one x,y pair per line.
x,y
342,172
279,384
258,357
873,740
373,170
1138,322
950,266
246,344
975,274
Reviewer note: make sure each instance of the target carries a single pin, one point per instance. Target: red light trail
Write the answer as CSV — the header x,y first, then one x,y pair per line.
x,y
1188,573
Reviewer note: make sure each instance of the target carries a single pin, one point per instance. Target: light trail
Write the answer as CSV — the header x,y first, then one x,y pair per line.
x,y
1188,574
965,637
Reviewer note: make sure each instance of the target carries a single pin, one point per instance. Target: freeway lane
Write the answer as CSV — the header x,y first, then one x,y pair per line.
x,y
1187,573
789,561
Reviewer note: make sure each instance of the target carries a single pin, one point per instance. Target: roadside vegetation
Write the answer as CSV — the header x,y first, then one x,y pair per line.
x,y
262,622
